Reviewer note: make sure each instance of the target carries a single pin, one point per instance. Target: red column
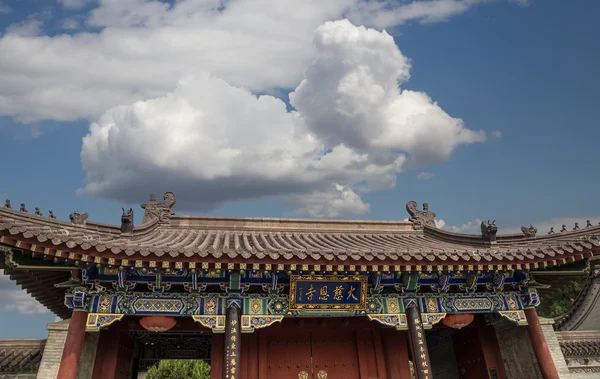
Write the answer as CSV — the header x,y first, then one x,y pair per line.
x,y
73,346
540,346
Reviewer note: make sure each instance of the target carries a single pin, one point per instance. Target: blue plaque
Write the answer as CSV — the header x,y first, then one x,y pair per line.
x,y
328,292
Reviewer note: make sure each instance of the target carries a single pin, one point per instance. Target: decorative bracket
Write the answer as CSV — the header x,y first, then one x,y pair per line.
x,y
97,321
518,317
251,323
396,321
215,323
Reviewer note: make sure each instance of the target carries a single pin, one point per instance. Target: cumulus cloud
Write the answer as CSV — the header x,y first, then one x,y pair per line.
x,y
424,175
140,49
470,227
4,8
75,4
351,132
340,201
70,24
14,299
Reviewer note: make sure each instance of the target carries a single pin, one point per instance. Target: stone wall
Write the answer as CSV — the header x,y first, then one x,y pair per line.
x,y
557,355
518,355
57,334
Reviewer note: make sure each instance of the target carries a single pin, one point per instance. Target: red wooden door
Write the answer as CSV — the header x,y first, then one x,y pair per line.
x,y
334,354
311,353
288,354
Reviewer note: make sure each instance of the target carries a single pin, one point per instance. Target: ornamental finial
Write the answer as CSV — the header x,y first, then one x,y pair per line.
x,y
551,230
420,219
162,211
38,212
576,227
489,230
51,214
7,204
78,218
127,221
563,229
23,209
588,224
530,231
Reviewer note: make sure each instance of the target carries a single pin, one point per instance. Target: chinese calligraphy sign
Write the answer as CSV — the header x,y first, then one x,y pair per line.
x,y
328,292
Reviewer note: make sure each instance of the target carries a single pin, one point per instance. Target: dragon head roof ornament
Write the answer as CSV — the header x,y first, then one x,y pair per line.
x,y
127,221
489,230
153,210
78,218
420,219
530,231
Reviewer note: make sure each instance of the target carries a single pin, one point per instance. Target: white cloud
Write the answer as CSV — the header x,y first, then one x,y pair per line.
x,y
4,8
14,299
29,28
338,202
212,142
75,4
424,175
70,24
470,227
142,48
496,134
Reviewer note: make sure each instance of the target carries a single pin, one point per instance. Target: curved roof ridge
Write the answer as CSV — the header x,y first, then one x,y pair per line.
x,y
289,224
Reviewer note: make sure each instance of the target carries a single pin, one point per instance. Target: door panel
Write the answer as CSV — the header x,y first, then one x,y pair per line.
x,y
288,354
335,353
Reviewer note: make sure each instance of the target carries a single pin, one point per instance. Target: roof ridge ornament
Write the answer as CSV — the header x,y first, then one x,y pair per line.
x,y
530,231
489,230
23,209
420,219
127,221
7,204
154,210
78,218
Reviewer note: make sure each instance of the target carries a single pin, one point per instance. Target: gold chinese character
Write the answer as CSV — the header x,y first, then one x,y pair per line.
x,y
233,361
337,293
417,321
351,294
421,349
233,330
233,344
423,356
234,322
233,338
423,364
323,294
418,327
419,334
233,370
309,294
425,371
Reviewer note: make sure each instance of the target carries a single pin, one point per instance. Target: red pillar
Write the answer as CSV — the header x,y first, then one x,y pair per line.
x,y
540,346
73,346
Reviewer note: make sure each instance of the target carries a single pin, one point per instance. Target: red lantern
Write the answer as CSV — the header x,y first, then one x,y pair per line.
x,y
158,323
458,320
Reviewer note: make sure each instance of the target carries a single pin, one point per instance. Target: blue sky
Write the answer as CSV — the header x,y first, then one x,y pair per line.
x,y
524,74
